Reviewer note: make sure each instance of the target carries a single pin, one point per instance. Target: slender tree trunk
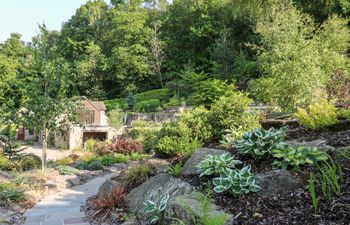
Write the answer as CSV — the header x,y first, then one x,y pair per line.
x,y
44,146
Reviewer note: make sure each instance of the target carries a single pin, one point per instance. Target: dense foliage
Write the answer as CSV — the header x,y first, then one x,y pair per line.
x,y
217,164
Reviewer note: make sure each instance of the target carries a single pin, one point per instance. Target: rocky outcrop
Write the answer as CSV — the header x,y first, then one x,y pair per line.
x,y
189,210
106,188
189,168
319,144
154,189
276,182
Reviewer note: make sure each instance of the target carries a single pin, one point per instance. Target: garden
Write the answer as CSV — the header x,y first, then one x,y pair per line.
x,y
257,102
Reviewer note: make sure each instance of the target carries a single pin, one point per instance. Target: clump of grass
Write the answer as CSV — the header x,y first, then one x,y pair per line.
x,y
137,175
175,170
313,194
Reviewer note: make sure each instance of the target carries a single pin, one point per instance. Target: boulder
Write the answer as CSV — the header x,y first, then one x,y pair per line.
x,y
190,166
154,189
74,181
106,188
5,176
319,144
188,208
276,182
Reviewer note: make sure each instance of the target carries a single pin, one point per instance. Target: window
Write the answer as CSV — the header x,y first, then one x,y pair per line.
x,y
89,117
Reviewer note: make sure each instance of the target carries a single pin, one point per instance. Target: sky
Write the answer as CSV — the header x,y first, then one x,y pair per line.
x,y
23,16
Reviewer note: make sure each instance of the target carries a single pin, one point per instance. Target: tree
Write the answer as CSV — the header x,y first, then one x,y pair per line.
x,y
47,106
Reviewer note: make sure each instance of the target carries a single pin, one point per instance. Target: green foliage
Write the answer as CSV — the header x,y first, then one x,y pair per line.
x,y
156,209
259,142
66,161
331,179
175,170
90,144
110,159
30,162
118,103
150,105
298,156
217,164
231,136
198,121
237,182
11,149
10,193
174,139
4,162
208,91
66,170
318,115
313,193
344,114
161,94
262,90
137,175
116,118
95,165
232,111
145,132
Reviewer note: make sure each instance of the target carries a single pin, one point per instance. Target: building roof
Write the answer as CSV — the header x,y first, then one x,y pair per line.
x,y
99,105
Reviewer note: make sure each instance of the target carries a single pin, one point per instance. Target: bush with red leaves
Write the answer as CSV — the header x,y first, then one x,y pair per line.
x,y
110,205
119,145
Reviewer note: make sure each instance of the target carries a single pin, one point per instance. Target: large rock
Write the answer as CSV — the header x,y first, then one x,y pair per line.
x,y
154,189
319,144
276,182
190,166
106,188
188,208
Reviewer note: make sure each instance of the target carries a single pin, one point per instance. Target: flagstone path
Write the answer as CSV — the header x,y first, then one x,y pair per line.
x,y
63,208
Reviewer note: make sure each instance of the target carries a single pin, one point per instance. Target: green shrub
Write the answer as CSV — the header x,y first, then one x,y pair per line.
x,y
116,118
344,114
161,94
231,136
150,105
66,161
175,170
209,91
137,175
318,115
237,182
4,162
95,165
259,90
174,139
297,157
217,164
145,132
232,111
90,144
118,103
10,193
30,162
135,156
66,170
259,142
198,121
110,159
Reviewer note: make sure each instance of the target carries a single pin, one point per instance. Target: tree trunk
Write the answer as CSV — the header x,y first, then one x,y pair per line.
x,y
44,146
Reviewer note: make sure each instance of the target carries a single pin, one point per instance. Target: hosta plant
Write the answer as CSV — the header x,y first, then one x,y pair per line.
x,y
237,182
217,164
156,209
296,157
260,142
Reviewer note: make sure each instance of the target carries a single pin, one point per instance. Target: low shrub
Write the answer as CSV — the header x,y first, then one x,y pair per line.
x,y
232,111
137,175
318,115
4,162
135,156
10,193
344,114
116,118
66,161
237,182
90,144
95,165
198,121
296,157
66,170
150,105
119,145
105,207
174,139
30,162
145,132
217,164
110,159
259,143
161,94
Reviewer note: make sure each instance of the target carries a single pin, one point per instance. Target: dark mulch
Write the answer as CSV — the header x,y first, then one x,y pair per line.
x,y
293,208
334,137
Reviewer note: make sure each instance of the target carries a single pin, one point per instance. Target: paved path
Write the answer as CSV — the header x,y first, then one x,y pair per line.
x,y
52,154
63,208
